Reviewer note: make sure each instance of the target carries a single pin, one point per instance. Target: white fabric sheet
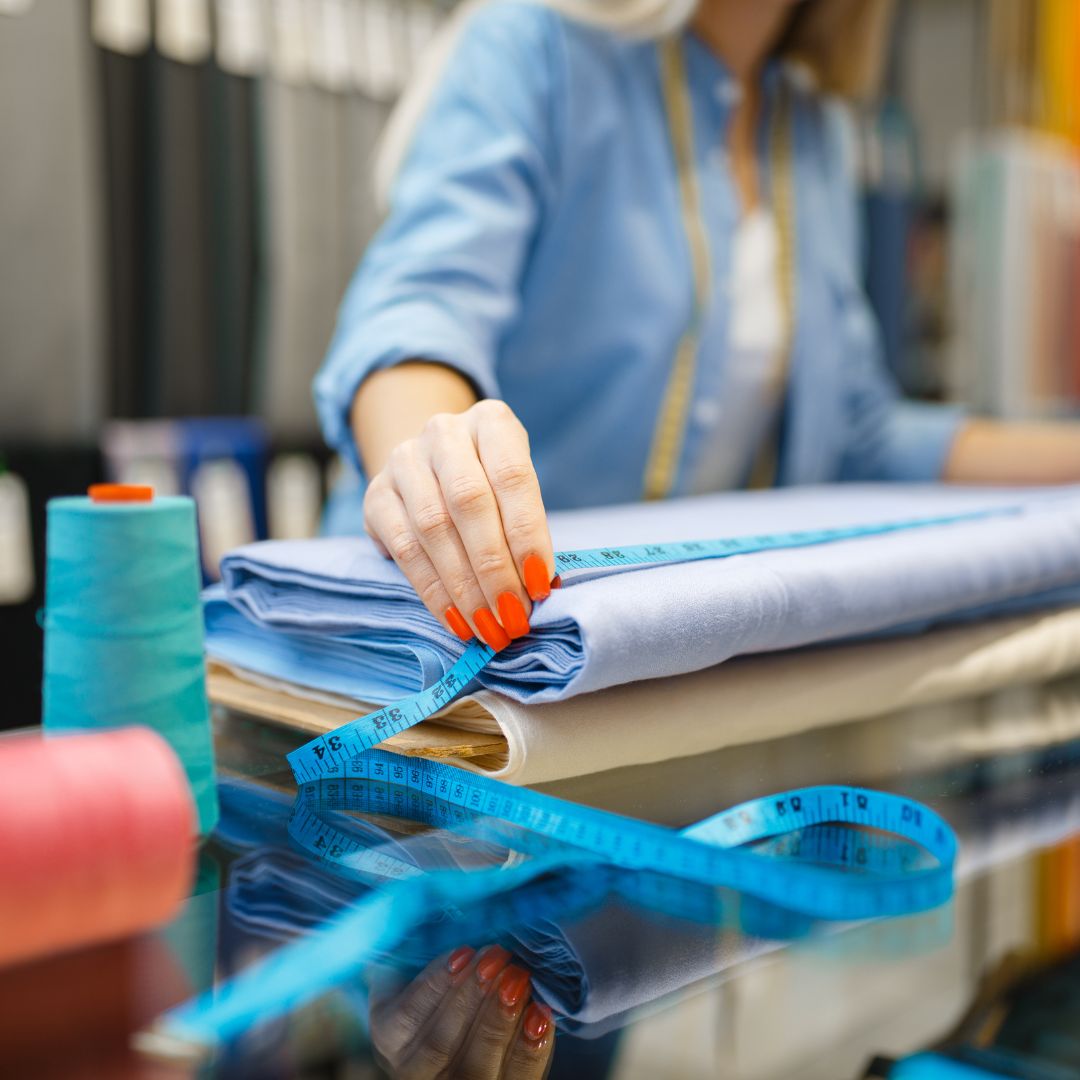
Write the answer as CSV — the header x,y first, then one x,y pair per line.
x,y
766,697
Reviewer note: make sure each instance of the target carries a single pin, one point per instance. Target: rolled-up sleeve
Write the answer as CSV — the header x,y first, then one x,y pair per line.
x,y
442,280
889,438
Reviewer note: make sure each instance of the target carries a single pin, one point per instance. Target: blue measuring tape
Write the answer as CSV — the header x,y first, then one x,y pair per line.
x,y
711,853
321,823
837,876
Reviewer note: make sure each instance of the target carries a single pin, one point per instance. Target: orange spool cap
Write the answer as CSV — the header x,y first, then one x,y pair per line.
x,y
117,493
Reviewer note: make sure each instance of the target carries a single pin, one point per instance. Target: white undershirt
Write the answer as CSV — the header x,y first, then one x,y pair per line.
x,y
735,423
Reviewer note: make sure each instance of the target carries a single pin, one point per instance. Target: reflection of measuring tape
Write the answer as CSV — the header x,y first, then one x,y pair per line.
x,y
328,754
320,823
711,853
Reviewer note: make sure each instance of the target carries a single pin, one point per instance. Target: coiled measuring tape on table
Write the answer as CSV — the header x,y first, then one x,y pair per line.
x,y
320,823
328,754
712,853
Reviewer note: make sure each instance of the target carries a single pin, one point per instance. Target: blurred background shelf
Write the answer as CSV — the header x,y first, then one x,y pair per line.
x,y
192,191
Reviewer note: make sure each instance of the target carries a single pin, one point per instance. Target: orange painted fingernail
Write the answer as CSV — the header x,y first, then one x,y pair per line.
x,y
490,630
536,577
513,986
512,613
537,1021
456,621
556,582
459,958
492,963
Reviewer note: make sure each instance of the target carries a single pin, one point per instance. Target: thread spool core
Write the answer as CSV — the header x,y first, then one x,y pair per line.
x,y
120,493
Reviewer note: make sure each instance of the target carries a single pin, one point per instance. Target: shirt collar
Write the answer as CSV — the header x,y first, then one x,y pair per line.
x,y
708,74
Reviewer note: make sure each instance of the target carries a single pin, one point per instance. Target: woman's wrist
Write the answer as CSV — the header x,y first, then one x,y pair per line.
x,y
1000,452
394,404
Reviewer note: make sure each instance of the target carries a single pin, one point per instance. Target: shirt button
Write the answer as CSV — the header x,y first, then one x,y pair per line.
x,y
706,413
728,92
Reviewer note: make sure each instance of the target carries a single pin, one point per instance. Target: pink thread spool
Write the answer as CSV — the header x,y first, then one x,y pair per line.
x,y
96,838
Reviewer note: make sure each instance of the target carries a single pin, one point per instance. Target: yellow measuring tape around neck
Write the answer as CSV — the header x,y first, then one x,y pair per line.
x,y
663,462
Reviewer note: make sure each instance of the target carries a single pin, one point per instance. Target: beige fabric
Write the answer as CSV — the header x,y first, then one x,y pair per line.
x,y
873,752
249,694
759,698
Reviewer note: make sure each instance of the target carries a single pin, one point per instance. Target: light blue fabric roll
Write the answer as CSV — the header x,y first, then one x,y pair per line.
x,y
334,614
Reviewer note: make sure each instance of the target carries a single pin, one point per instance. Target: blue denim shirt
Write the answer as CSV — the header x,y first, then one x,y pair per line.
x,y
536,244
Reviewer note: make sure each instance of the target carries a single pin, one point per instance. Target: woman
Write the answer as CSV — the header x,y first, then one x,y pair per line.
x,y
621,262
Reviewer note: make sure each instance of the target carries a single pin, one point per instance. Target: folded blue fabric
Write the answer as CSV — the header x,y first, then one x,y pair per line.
x,y
335,615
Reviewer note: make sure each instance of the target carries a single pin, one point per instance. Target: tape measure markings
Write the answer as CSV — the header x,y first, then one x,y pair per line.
x,y
711,853
327,755
695,550
329,844
307,825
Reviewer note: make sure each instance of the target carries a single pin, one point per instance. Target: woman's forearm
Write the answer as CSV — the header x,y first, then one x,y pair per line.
x,y
997,452
393,405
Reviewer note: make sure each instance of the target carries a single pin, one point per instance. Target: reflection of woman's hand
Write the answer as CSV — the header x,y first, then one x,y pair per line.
x,y
466,1015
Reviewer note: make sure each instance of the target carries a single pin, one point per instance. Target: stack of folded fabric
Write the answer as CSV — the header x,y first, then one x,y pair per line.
x,y
634,666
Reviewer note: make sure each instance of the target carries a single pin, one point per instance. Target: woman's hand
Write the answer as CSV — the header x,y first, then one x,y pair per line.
x,y
458,508
466,1015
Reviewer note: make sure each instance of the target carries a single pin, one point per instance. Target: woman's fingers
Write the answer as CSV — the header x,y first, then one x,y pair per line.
x,y
470,499
398,1018
436,1050
389,526
468,1015
485,1051
503,447
530,1052
415,481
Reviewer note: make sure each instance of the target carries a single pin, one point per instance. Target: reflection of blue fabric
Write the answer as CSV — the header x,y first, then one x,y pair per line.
x,y
252,815
545,258
595,971
256,817
555,965
277,894
353,624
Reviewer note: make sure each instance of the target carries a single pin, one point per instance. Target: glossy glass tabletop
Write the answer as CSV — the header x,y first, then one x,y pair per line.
x,y
640,982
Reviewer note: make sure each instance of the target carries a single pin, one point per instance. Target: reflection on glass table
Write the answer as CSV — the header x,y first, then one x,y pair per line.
x,y
592,972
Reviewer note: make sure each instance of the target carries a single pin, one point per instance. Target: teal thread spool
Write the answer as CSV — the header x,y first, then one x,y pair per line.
x,y
123,625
